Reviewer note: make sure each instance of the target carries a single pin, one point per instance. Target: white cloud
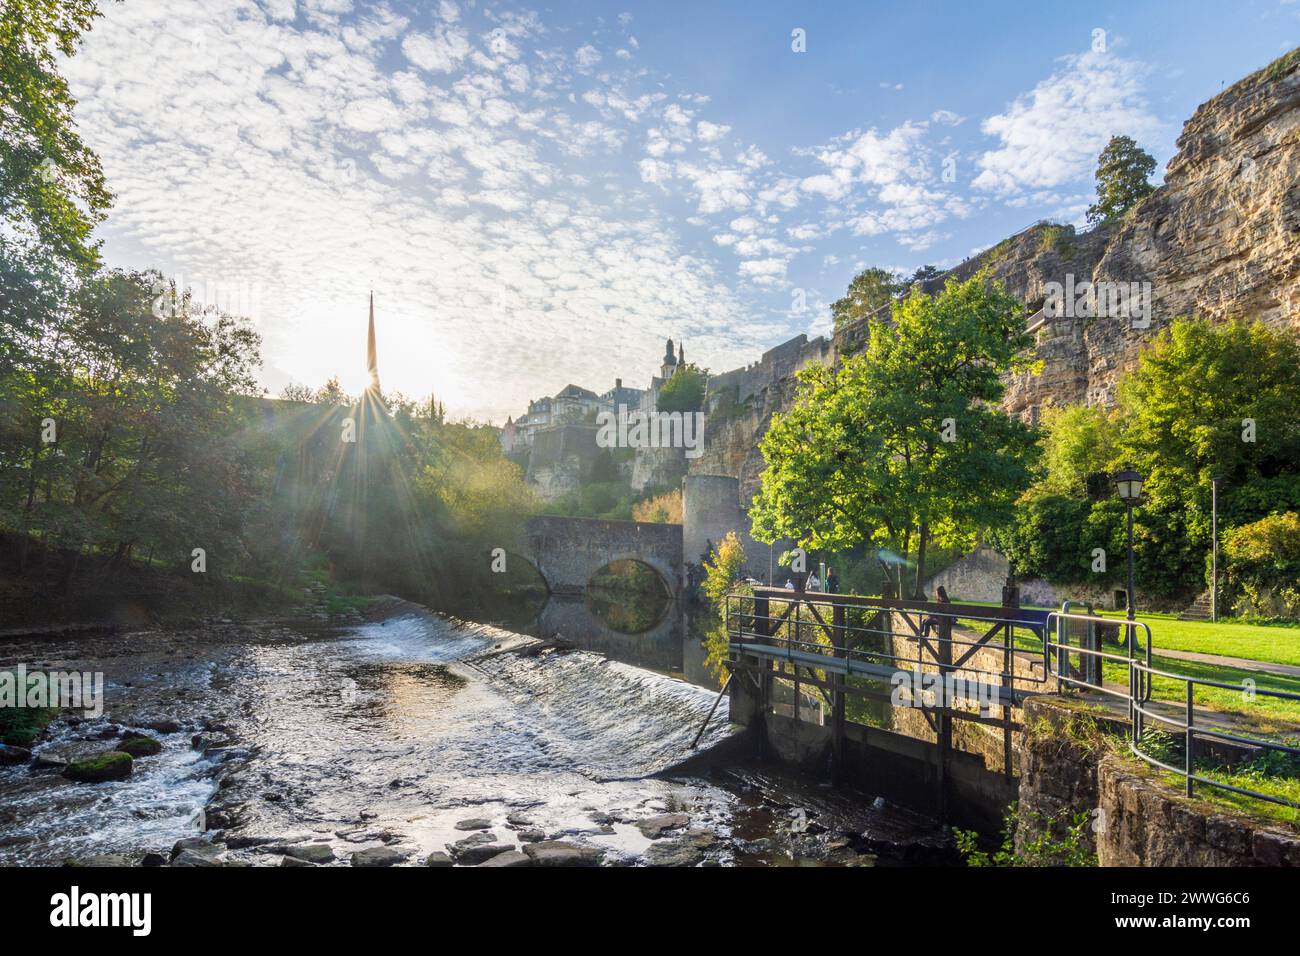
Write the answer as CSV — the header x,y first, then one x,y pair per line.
x,y
708,132
1052,134
587,57
312,161
440,53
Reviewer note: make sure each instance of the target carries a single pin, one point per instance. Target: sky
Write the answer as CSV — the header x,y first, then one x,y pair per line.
x,y
540,195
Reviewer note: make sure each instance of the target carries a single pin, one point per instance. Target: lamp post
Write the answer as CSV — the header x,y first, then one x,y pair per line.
x,y
1214,548
1128,483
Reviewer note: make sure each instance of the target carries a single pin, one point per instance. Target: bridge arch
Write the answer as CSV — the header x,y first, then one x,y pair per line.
x,y
569,551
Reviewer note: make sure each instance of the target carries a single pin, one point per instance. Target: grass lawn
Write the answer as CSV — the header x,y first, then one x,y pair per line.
x,y
1267,715
1278,644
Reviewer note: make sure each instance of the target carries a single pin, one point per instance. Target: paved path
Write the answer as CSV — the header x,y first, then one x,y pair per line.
x,y
1267,667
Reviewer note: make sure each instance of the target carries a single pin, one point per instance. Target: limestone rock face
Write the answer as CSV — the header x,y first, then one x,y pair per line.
x,y
1220,238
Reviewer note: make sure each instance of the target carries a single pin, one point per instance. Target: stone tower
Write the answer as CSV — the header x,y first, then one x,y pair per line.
x,y
670,363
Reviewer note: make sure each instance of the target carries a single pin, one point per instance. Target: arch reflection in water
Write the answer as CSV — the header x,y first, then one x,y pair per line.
x,y
628,597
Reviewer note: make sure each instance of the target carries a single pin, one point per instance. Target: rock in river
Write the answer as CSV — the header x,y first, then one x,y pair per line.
x,y
474,823
508,858
655,827
480,853
139,745
556,853
11,755
379,856
312,853
113,765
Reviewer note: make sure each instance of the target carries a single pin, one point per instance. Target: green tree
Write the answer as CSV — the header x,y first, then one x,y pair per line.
x,y
905,443
684,392
1123,173
1209,398
722,570
870,291
52,190
924,274
1079,449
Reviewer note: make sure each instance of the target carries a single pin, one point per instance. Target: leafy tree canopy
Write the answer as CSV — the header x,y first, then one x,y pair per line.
x,y
1123,175
870,291
905,441
52,190
684,392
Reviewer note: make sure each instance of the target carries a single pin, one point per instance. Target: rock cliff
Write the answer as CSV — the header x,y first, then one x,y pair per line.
x,y
1220,238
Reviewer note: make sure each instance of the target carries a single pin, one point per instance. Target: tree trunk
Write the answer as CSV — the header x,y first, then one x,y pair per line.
x,y
923,538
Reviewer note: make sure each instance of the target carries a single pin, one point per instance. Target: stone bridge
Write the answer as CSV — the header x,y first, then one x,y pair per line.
x,y
568,551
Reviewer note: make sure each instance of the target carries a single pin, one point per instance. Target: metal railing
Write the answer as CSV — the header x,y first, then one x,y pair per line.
x,y
833,633
1139,696
826,632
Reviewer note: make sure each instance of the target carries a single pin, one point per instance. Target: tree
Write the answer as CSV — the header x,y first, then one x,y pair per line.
x,y
332,393
1123,171
924,274
1210,399
1079,449
905,442
52,190
684,392
723,569
870,291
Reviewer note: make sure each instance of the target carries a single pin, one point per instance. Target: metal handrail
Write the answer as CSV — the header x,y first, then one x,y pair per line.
x,y
1192,732
1136,658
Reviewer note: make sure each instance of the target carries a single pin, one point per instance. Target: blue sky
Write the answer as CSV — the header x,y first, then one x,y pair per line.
x,y
540,195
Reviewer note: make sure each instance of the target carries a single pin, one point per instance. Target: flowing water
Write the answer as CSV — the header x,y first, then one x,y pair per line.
x,y
392,732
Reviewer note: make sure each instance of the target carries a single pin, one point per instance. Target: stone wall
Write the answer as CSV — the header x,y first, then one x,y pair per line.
x,y
560,459
1068,767
980,575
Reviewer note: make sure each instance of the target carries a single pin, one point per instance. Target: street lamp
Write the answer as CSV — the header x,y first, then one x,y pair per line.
x,y
1129,485
1214,548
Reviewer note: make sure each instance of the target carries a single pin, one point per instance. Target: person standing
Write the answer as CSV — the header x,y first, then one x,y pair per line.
x,y
832,581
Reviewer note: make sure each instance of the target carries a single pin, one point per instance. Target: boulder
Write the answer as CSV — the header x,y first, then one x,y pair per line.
x,y
294,861
139,746
153,859
113,765
655,827
508,858
673,853
480,853
14,755
379,856
190,858
200,845
49,761
311,853
557,853
474,823
439,859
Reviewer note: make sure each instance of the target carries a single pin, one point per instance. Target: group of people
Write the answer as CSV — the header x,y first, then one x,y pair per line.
x,y
814,583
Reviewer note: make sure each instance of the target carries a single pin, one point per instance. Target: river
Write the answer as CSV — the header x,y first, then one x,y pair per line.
x,y
422,734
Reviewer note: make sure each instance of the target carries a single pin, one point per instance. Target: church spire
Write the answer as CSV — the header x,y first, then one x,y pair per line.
x,y
372,359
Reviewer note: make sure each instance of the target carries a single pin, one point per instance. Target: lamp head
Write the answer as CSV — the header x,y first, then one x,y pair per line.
x,y
1128,483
